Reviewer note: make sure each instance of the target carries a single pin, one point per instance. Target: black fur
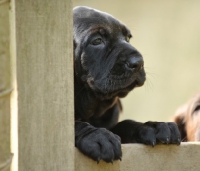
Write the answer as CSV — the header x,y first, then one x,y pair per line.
x,y
108,67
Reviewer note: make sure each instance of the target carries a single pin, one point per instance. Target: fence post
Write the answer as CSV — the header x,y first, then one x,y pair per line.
x,y
42,74
5,87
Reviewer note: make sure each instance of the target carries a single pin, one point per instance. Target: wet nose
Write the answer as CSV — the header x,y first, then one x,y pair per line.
x,y
134,63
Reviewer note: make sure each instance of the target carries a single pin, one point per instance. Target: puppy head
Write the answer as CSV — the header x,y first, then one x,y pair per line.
x,y
104,59
188,119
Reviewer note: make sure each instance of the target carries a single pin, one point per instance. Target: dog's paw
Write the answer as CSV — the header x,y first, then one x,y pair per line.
x,y
153,133
99,143
150,133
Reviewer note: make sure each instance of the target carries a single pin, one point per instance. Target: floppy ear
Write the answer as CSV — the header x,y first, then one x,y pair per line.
x,y
180,120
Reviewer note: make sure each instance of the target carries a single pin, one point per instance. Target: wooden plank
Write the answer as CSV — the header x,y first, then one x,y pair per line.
x,y
145,158
5,87
44,62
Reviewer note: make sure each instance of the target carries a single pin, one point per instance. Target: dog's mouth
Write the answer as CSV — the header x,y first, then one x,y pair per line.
x,y
117,85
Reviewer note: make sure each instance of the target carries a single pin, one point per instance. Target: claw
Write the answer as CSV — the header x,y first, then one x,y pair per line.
x,y
167,140
120,158
98,160
111,161
179,141
153,143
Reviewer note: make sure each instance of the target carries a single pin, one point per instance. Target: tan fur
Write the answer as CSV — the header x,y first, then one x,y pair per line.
x,y
188,120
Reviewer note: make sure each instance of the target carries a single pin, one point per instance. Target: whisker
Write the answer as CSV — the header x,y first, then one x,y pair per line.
x,y
150,73
149,85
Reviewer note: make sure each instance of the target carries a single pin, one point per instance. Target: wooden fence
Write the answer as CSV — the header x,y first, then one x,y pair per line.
x,y
36,98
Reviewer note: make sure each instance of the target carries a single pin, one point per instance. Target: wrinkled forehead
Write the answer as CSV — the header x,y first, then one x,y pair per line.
x,y
87,18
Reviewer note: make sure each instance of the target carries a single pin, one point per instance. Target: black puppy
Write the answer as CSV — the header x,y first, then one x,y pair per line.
x,y
107,68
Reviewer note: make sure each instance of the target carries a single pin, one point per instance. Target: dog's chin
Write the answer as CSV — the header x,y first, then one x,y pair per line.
x,y
110,88
123,93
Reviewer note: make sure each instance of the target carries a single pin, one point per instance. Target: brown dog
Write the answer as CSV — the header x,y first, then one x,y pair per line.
x,y
187,118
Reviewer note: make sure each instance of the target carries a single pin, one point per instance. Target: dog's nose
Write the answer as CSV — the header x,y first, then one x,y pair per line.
x,y
134,63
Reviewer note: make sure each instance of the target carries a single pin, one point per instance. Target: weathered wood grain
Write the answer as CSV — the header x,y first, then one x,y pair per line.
x,y
145,158
44,73
5,86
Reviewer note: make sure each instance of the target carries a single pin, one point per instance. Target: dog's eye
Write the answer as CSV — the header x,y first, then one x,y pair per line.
x,y
97,41
197,108
127,38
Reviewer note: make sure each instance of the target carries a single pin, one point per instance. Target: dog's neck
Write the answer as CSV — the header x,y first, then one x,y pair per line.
x,y
88,103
